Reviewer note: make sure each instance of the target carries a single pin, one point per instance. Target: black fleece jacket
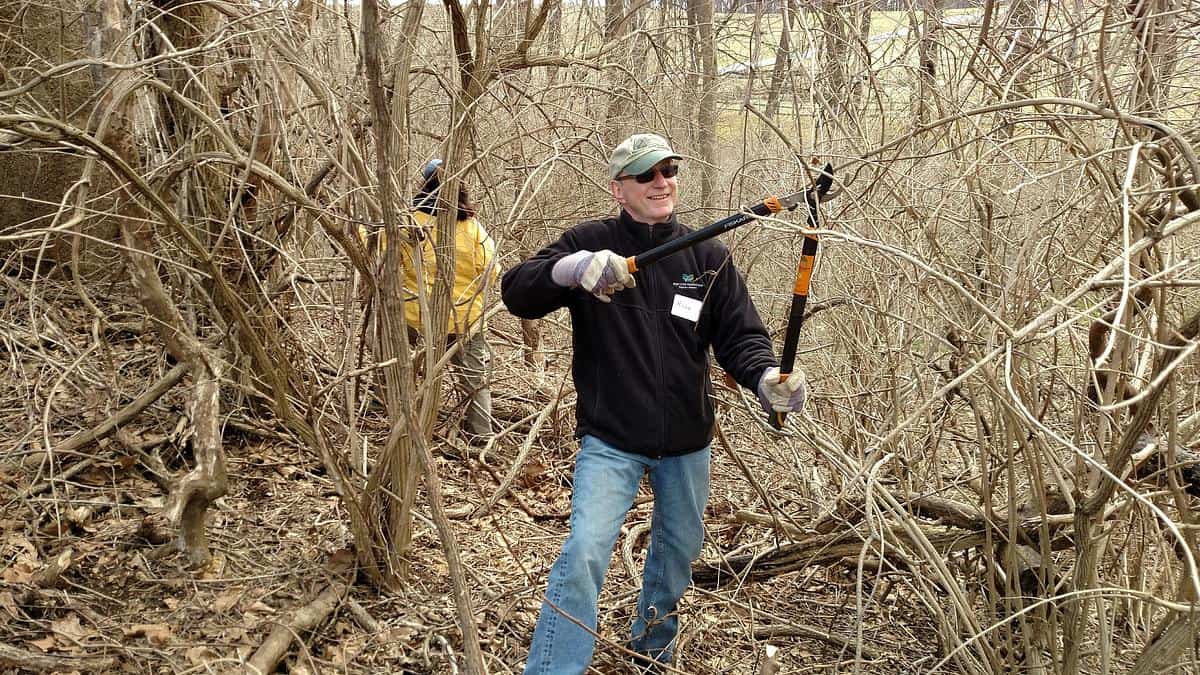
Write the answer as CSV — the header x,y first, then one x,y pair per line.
x,y
640,369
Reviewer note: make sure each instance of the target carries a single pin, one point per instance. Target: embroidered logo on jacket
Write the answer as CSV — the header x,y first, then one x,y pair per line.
x,y
688,281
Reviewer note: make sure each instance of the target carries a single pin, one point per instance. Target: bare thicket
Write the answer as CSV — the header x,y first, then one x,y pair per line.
x,y
1004,430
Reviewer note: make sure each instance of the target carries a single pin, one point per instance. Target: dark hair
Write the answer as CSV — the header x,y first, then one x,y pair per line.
x,y
427,200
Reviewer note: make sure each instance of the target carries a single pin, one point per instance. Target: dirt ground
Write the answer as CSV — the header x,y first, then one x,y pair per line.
x,y
126,601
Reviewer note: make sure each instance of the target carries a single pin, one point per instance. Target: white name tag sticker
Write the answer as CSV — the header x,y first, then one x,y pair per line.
x,y
686,308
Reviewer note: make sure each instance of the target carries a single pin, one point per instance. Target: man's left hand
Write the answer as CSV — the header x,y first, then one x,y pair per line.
x,y
787,396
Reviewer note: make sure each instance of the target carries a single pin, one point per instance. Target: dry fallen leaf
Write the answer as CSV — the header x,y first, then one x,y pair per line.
x,y
154,503
69,628
261,607
79,516
340,559
9,603
533,473
199,656
338,654
20,572
400,634
19,547
300,667
158,634
226,601
213,569
45,644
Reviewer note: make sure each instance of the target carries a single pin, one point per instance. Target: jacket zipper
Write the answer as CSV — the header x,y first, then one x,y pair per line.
x,y
655,300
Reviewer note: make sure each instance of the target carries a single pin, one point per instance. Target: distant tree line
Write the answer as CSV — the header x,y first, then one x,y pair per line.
x,y
776,6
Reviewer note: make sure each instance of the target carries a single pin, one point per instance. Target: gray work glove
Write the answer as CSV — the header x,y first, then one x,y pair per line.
x,y
600,273
786,397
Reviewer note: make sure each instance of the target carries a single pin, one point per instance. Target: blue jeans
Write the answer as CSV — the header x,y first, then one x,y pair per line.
x,y
606,482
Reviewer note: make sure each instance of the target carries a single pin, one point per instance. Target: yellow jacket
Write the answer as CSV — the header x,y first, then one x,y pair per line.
x,y
474,252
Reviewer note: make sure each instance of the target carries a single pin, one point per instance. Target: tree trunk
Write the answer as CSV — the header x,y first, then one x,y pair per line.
x,y
553,40
616,25
384,556
706,114
926,27
833,92
782,68
1015,61
188,504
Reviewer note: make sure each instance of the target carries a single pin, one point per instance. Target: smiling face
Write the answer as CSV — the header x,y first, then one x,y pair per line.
x,y
652,202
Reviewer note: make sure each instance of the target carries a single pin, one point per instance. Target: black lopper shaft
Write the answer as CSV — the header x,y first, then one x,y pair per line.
x,y
764,208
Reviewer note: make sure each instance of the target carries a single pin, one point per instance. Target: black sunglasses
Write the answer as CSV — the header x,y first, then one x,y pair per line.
x,y
667,171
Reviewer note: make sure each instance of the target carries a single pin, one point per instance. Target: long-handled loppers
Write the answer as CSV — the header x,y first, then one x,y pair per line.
x,y
804,270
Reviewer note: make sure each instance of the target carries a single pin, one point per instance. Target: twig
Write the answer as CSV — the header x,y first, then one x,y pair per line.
x,y
631,536
824,549
110,425
27,660
522,455
770,521
122,416
76,468
472,652
465,510
801,630
272,650
363,618
777,514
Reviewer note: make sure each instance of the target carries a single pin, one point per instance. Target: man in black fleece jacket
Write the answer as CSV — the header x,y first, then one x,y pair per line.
x,y
641,373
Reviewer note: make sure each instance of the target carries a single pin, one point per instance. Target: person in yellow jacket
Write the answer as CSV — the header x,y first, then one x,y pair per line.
x,y
475,270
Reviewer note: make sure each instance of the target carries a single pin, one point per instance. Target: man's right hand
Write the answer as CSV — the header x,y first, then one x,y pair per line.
x,y
600,273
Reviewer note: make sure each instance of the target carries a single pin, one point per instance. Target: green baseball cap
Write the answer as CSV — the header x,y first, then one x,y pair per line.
x,y
638,153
